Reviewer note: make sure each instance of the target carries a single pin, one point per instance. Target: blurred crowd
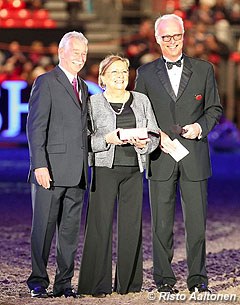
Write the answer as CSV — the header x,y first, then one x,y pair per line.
x,y
26,63
208,35
28,4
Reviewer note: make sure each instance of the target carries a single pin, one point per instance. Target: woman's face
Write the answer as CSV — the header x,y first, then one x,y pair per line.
x,y
116,76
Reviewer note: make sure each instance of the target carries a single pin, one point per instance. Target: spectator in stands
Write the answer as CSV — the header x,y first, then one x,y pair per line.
x,y
8,72
37,71
235,12
220,11
216,48
140,43
223,32
202,13
217,53
130,6
92,72
73,8
140,48
2,57
36,52
26,73
201,31
15,56
190,43
34,4
36,58
53,52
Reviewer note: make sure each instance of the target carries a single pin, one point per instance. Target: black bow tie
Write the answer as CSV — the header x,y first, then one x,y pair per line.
x,y
170,64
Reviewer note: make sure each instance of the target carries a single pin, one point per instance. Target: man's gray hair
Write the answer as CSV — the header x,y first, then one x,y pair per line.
x,y
69,35
168,17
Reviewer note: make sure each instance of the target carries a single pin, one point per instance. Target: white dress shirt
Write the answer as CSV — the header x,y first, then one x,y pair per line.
x,y
174,74
70,76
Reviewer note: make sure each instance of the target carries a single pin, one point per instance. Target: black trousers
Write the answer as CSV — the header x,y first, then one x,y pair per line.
x,y
125,184
194,204
55,208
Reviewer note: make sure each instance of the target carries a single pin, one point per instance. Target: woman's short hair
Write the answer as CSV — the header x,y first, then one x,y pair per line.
x,y
105,63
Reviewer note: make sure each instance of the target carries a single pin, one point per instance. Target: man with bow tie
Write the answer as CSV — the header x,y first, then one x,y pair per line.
x,y
185,99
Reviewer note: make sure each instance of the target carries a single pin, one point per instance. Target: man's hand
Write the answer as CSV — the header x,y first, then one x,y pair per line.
x,y
192,131
166,144
42,176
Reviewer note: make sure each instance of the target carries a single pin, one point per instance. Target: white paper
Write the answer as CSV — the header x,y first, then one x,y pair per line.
x,y
180,152
126,134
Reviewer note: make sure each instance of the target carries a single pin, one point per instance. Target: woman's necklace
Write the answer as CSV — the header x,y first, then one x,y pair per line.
x,y
108,96
120,110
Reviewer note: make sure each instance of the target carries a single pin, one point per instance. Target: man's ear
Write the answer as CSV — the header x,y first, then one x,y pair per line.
x,y
158,39
61,53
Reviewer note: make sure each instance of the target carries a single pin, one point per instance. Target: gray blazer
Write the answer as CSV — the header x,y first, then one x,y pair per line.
x,y
57,128
104,121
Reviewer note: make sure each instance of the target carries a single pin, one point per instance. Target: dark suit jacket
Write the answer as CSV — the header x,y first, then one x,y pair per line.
x,y
197,101
57,128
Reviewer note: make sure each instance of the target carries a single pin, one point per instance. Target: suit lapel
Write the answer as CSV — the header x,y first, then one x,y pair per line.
x,y
163,75
83,95
62,78
186,74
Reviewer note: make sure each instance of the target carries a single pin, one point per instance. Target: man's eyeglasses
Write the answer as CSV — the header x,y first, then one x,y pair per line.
x,y
175,37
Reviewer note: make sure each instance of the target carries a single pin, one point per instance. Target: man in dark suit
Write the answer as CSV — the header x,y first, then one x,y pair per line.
x,y
186,103
57,138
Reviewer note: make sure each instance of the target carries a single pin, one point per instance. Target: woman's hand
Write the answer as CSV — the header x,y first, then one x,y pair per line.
x,y
138,142
112,138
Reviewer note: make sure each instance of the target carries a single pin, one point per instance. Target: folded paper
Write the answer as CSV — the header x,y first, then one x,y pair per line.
x,y
180,152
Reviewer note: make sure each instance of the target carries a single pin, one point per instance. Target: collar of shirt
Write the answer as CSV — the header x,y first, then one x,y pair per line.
x,y
68,74
167,59
175,75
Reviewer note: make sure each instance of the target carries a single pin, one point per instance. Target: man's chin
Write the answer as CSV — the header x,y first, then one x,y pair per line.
x,y
77,68
174,54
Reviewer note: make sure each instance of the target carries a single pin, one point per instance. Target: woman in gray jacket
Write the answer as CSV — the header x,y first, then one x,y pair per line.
x,y
117,165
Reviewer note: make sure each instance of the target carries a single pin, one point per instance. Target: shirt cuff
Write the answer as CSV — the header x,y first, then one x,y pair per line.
x,y
200,132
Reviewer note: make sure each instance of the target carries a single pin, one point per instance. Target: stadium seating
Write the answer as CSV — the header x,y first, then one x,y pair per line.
x,y
13,14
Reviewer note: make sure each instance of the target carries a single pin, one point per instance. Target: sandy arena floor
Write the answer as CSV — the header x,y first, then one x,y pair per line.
x,y
223,246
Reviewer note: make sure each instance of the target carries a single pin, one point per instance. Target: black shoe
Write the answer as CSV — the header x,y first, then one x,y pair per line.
x,y
199,288
39,292
99,295
68,293
167,288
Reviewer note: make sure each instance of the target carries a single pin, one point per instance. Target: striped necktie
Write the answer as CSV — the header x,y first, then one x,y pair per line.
x,y
74,83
